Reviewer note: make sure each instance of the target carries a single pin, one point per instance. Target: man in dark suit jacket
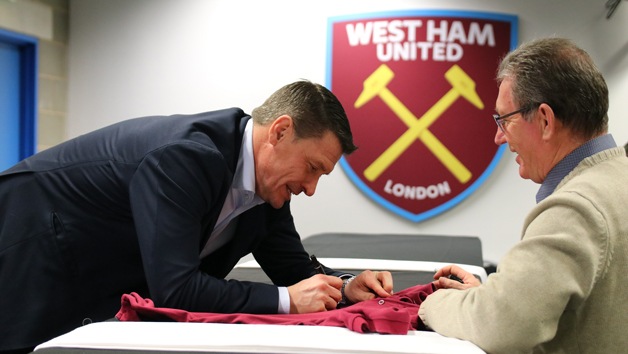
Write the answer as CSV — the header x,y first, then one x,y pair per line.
x,y
160,206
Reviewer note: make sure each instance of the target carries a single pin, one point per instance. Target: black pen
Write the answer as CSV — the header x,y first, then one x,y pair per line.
x,y
317,266
453,277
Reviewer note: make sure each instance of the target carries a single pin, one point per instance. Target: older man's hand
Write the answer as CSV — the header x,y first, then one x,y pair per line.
x,y
369,285
443,282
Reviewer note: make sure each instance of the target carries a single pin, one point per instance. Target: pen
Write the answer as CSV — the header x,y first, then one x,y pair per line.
x,y
317,266
453,277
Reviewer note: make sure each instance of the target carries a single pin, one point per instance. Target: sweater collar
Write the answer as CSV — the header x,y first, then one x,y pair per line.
x,y
567,164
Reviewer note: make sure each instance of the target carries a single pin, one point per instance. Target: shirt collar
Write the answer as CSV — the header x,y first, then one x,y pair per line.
x,y
244,178
567,164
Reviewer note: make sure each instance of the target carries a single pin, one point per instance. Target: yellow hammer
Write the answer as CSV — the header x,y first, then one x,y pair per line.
x,y
375,85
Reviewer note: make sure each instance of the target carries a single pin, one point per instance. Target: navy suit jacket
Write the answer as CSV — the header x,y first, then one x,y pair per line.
x,y
129,208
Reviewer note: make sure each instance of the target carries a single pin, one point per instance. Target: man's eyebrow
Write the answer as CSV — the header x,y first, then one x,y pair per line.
x,y
322,166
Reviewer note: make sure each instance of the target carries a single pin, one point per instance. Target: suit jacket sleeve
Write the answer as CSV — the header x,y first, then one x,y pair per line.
x,y
174,191
281,254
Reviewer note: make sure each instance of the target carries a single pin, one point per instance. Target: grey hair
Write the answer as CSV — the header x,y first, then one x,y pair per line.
x,y
557,72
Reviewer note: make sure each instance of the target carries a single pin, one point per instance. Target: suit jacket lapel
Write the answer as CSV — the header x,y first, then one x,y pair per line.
x,y
231,152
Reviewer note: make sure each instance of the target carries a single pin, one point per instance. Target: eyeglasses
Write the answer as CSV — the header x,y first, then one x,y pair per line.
x,y
500,119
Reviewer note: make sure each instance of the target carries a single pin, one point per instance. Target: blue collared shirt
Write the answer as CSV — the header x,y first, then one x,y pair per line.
x,y
241,196
566,165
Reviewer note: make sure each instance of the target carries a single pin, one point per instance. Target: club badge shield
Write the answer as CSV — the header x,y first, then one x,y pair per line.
x,y
419,90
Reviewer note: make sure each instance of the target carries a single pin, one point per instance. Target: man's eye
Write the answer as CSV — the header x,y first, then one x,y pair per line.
x,y
313,168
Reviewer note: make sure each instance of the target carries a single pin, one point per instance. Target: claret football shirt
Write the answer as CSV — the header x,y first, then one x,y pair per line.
x,y
396,314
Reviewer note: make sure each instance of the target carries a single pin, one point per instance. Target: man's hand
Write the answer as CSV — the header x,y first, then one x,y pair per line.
x,y
443,282
369,285
315,294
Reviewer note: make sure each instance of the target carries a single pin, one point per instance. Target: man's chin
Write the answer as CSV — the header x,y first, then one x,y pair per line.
x,y
278,204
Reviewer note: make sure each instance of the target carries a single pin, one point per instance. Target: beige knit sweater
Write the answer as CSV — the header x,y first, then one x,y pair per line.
x,y
564,287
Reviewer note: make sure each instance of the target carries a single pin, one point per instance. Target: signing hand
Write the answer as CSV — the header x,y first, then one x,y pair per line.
x,y
443,282
315,294
369,285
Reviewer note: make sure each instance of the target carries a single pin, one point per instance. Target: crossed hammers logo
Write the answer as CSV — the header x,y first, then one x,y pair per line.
x,y
375,85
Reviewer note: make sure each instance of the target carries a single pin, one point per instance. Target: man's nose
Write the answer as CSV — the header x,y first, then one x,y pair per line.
x,y
500,137
310,186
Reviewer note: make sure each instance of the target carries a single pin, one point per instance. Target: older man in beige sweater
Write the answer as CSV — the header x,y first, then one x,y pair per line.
x,y
564,287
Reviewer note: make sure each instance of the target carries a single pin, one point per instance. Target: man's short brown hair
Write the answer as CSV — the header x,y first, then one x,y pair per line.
x,y
313,109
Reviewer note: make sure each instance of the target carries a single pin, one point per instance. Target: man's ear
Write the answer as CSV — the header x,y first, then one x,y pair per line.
x,y
548,121
282,129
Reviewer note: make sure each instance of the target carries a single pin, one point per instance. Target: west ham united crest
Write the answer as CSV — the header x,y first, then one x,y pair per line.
x,y
419,90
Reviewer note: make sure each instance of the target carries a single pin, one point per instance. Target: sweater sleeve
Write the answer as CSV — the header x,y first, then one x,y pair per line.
x,y
550,271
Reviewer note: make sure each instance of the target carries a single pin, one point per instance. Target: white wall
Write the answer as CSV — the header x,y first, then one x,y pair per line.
x,y
145,57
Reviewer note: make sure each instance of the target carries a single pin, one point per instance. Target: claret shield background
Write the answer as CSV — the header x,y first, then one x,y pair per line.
x,y
418,184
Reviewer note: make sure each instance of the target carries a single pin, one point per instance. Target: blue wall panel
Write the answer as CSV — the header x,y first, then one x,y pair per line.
x,y
18,97
9,105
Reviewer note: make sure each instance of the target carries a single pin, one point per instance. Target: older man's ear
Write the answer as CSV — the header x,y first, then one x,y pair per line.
x,y
549,123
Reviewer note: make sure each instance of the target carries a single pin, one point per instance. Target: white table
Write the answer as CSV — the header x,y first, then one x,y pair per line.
x,y
156,337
